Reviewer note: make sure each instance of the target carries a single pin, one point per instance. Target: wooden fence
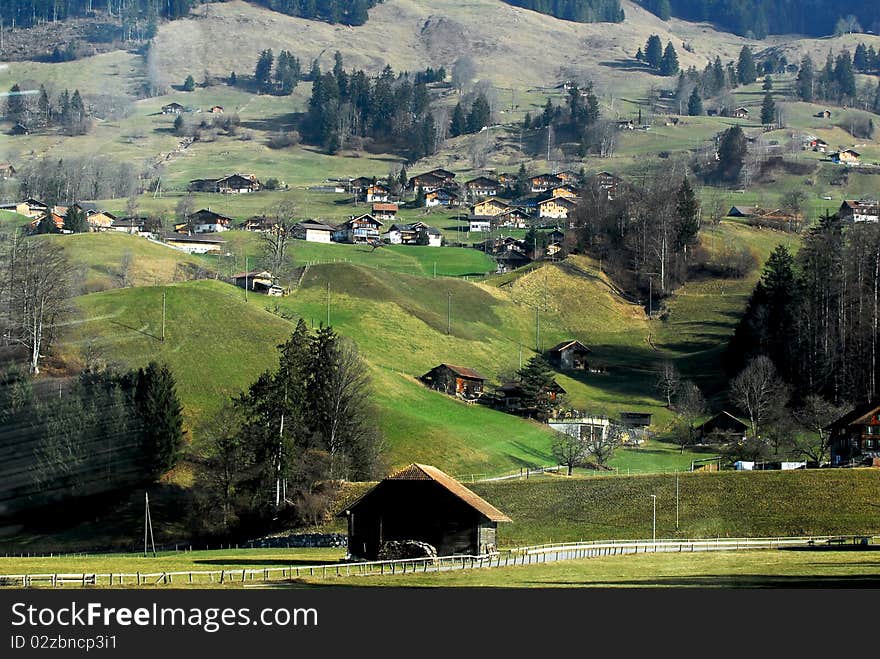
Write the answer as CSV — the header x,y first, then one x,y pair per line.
x,y
530,555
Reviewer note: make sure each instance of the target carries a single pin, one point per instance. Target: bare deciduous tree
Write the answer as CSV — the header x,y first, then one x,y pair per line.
x,y
690,406
814,416
36,282
570,450
277,241
758,390
668,381
601,445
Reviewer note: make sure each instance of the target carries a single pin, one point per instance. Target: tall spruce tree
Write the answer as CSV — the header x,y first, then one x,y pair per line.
x,y
160,413
768,110
746,70
695,103
459,122
653,51
669,63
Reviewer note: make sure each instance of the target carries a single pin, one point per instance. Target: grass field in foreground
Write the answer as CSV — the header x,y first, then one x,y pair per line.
x,y
742,569
176,561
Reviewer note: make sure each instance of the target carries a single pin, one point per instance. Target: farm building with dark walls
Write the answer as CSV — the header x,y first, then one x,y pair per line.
x,y
422,503
455,380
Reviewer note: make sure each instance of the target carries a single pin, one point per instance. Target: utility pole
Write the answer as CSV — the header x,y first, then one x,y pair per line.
x,y
654,526
328,303
537,332
148,525
676,499
245,278
449,312
163,316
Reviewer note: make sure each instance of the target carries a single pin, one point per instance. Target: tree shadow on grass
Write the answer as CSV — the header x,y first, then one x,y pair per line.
x,y
731,581
266,562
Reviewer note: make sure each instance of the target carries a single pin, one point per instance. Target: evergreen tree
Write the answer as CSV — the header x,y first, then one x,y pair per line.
x,y
161,414
669,63
639,55
768,83
522,182
46,223
768,110
75,220
44,107
233,79
358,14
746,70
263,70
732,153
178,125
844,75
860,59
688,211
654,51
480,114
695,103
805,80
459,122
527,121
538,385
15,109
189,84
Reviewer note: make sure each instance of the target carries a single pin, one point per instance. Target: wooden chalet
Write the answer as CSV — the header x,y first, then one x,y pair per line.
x,y
216,109
568,177
422,503
384,211
258,223
433,180
513,218
489,208
441,197
258,281
847,157
457,381
742,211
723,427
173,108
817,144
7,171
232,184
823,114
410,234
557,235
444,174
204,221
31,208
740,113
855,437
376,192
360,229
859,211
543,182
57,220
636,419
557,208
360,183
314,232
134,225
564,190
569,355
483,186
99,220
510,396
606,183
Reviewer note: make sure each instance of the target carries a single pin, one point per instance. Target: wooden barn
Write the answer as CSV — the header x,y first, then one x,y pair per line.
x,y
569,355
722,427
455,380
422,503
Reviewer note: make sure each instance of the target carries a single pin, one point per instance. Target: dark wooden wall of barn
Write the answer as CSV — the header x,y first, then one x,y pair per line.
x,y
415,510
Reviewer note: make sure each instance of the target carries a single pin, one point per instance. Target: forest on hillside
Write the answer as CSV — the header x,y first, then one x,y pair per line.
x,y
758,18
582,11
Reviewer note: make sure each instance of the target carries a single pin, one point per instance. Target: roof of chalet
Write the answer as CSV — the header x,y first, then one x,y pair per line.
x,y
316,226
724,414
382,206
196,238
421,472
415,226
463,371
366,217
254,274
565,345
484,181
856,415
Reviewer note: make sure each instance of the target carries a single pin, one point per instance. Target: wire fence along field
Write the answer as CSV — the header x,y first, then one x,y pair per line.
x,y
520,556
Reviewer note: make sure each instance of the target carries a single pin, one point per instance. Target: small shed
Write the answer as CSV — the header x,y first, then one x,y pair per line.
x,y
569,355
455,380
636,419
258,281
723,426
422,503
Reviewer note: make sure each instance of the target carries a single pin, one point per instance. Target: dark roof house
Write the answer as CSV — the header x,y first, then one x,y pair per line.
x,y
421,503
569,355
455,380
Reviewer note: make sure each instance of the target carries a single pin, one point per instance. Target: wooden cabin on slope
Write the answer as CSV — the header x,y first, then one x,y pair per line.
x,y
422,503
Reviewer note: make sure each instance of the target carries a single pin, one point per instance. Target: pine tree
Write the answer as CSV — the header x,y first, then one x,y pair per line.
x,y
44,107
695,103
14,105
459,122
860,59
844,75
746,70
522,182
768,83
688,211
189,84
654,51
480,114
538,387
669,63
768,110
160,412
178,125
233,79
75,220
805,80
732,153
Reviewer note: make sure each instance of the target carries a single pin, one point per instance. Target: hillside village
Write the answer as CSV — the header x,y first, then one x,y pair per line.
x,y
320,292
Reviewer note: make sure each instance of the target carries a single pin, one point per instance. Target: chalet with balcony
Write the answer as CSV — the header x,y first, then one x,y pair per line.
x,y
557,208
441,197
416,233
847,157
544,182
358,230
376,193
483,186
233,184
855,437
859,211
384,211
314,232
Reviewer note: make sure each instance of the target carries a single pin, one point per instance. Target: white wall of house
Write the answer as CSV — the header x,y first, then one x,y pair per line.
x,y
482,226
318,236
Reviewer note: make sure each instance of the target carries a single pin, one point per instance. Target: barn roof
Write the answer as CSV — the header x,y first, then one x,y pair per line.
x,y
572,343
464,371
420,472
860,414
